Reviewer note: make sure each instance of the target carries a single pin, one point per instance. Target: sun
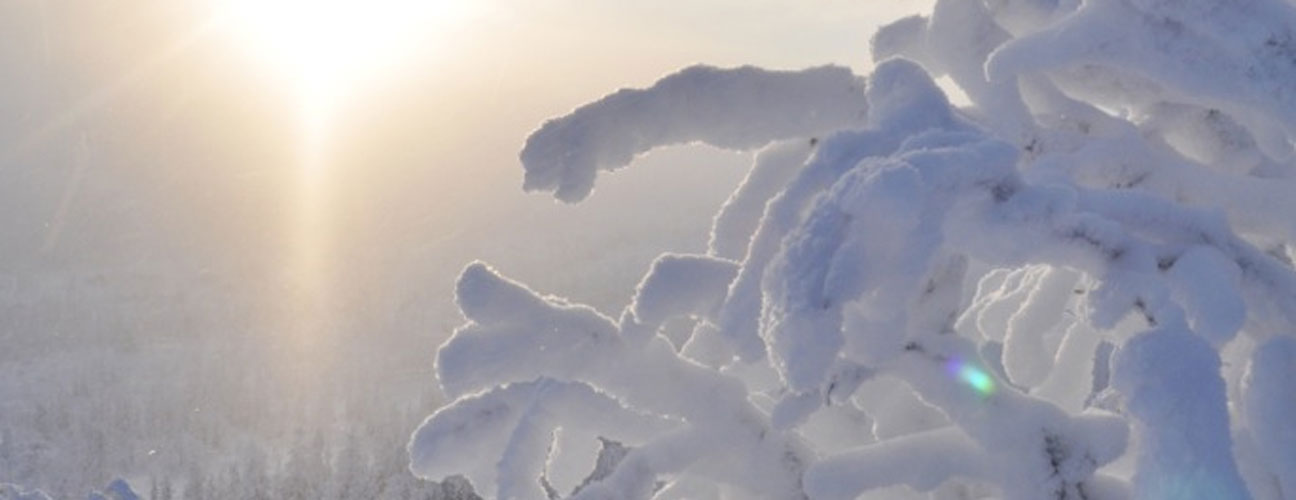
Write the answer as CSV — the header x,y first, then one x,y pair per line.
x,y
325,52
325,47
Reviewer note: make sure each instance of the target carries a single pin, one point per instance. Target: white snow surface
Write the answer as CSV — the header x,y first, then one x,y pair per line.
x,y
1271,404
1079,285
741,108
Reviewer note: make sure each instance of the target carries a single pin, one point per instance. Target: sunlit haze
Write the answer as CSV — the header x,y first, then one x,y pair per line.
x,y
678,249
325,45
253,211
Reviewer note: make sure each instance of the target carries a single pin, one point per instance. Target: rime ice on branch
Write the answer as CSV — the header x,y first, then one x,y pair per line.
x,y
744,108
1092,260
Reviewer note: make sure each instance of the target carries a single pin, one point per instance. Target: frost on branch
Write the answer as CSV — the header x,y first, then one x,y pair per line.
x,y
518,422
516,336
1271,403
1170,377
1079,285
740,108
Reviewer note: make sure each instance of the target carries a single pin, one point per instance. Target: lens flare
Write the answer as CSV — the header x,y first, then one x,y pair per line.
x,y
972,376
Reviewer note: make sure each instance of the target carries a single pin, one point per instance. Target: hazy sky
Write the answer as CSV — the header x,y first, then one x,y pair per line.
x,y
153,185
132,137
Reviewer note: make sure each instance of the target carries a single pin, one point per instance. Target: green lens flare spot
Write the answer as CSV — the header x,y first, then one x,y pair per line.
x,y
972,376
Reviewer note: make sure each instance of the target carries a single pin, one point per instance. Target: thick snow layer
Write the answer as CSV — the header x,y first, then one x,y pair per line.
x,y
741,214
1232,55
517,422
498,350
741,108
1079,285
1271,406
1171,381
682,285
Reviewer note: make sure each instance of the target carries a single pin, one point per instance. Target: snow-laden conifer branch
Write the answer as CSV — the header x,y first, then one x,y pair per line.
x,y
1090,260
741,214
512,429
1270,404
577,344
741,108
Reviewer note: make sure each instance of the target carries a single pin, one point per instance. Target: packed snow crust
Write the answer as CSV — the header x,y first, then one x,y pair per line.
x,y
1080,285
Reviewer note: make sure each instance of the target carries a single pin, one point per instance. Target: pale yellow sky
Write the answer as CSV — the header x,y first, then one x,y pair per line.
x,y
147,161
128,140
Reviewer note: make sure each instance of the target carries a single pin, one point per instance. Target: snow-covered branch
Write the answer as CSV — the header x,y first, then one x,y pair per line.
x,y
1078,285
742,108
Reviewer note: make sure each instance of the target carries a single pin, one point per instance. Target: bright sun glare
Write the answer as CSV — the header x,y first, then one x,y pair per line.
x,y
322,51
325,47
